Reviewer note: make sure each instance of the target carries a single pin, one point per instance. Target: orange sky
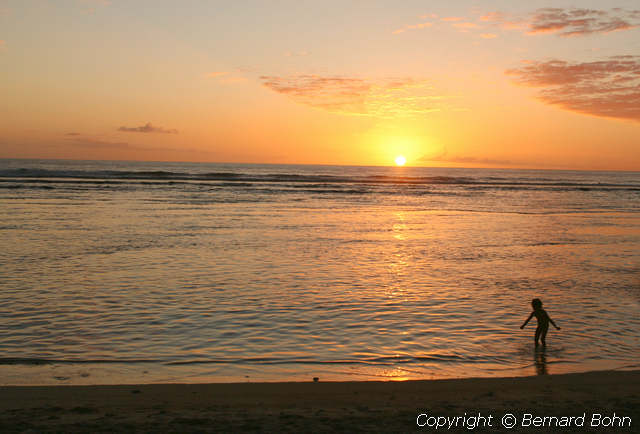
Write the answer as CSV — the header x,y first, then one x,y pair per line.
x,y
550,85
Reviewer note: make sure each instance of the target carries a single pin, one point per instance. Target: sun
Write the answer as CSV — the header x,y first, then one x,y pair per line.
x,y
400,160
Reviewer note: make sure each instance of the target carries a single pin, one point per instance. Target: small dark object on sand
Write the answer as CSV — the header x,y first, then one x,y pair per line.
x,y
315,379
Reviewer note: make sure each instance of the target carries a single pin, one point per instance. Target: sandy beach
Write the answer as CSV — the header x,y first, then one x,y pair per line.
x,y
601,398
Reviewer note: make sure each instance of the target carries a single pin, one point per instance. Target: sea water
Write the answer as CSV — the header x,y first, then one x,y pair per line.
x,y
131,272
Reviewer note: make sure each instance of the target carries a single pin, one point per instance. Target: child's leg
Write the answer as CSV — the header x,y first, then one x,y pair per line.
x,y
538,331
543,334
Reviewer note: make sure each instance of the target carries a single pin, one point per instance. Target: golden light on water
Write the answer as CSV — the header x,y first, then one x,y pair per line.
x,y
400,160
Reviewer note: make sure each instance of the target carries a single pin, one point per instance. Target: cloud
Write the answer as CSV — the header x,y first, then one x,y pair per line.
x,y
557,21
217,74
96,143
442,155
413,27
503,20
232,80
466,25
567,22
463,24
246,69
607,88
148,128
227,77
91,5
72,134
3,45
391,97
296,53
574,22
96,2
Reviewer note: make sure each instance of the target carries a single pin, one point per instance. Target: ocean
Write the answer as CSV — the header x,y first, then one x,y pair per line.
x,y
132,272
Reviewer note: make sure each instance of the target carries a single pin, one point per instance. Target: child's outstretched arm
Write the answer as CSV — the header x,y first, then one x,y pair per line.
x,y
554,324
527,321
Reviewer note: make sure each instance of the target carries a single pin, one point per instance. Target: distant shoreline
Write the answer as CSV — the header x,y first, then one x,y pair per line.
x,y
367,406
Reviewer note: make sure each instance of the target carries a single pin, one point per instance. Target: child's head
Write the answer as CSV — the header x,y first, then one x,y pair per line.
x,y
536,303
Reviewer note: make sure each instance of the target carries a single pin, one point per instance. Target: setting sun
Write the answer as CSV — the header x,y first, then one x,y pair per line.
x,y
400,160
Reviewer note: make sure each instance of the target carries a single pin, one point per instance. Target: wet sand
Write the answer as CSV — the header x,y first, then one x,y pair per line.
x,y
327,406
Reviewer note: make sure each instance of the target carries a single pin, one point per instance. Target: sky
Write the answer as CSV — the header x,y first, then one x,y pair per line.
x,y
539,84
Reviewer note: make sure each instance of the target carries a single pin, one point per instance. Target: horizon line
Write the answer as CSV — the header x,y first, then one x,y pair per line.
x,y
326,165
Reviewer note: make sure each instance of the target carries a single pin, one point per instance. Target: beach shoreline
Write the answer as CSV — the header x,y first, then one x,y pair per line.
x,y
371,406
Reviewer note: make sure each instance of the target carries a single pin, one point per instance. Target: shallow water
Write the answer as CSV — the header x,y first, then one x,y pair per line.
x,y
115,272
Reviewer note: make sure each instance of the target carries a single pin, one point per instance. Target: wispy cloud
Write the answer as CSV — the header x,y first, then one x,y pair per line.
x,y
96,2
91,5
91,142
608,88
227,77
461,23
442,155
575,22
296,53
232,80
390,97
557,21
566,22
99,143
3,45
413,27
503,21
217,74
466,25
148,128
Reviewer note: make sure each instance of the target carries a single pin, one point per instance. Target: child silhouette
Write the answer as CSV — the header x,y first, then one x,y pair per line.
x,y
543,321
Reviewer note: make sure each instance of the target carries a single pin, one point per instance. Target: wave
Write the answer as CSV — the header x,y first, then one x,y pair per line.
x,y
243,179
222,176
378,360
46,361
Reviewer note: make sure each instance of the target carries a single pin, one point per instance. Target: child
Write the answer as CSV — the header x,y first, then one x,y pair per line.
x,y
543,321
